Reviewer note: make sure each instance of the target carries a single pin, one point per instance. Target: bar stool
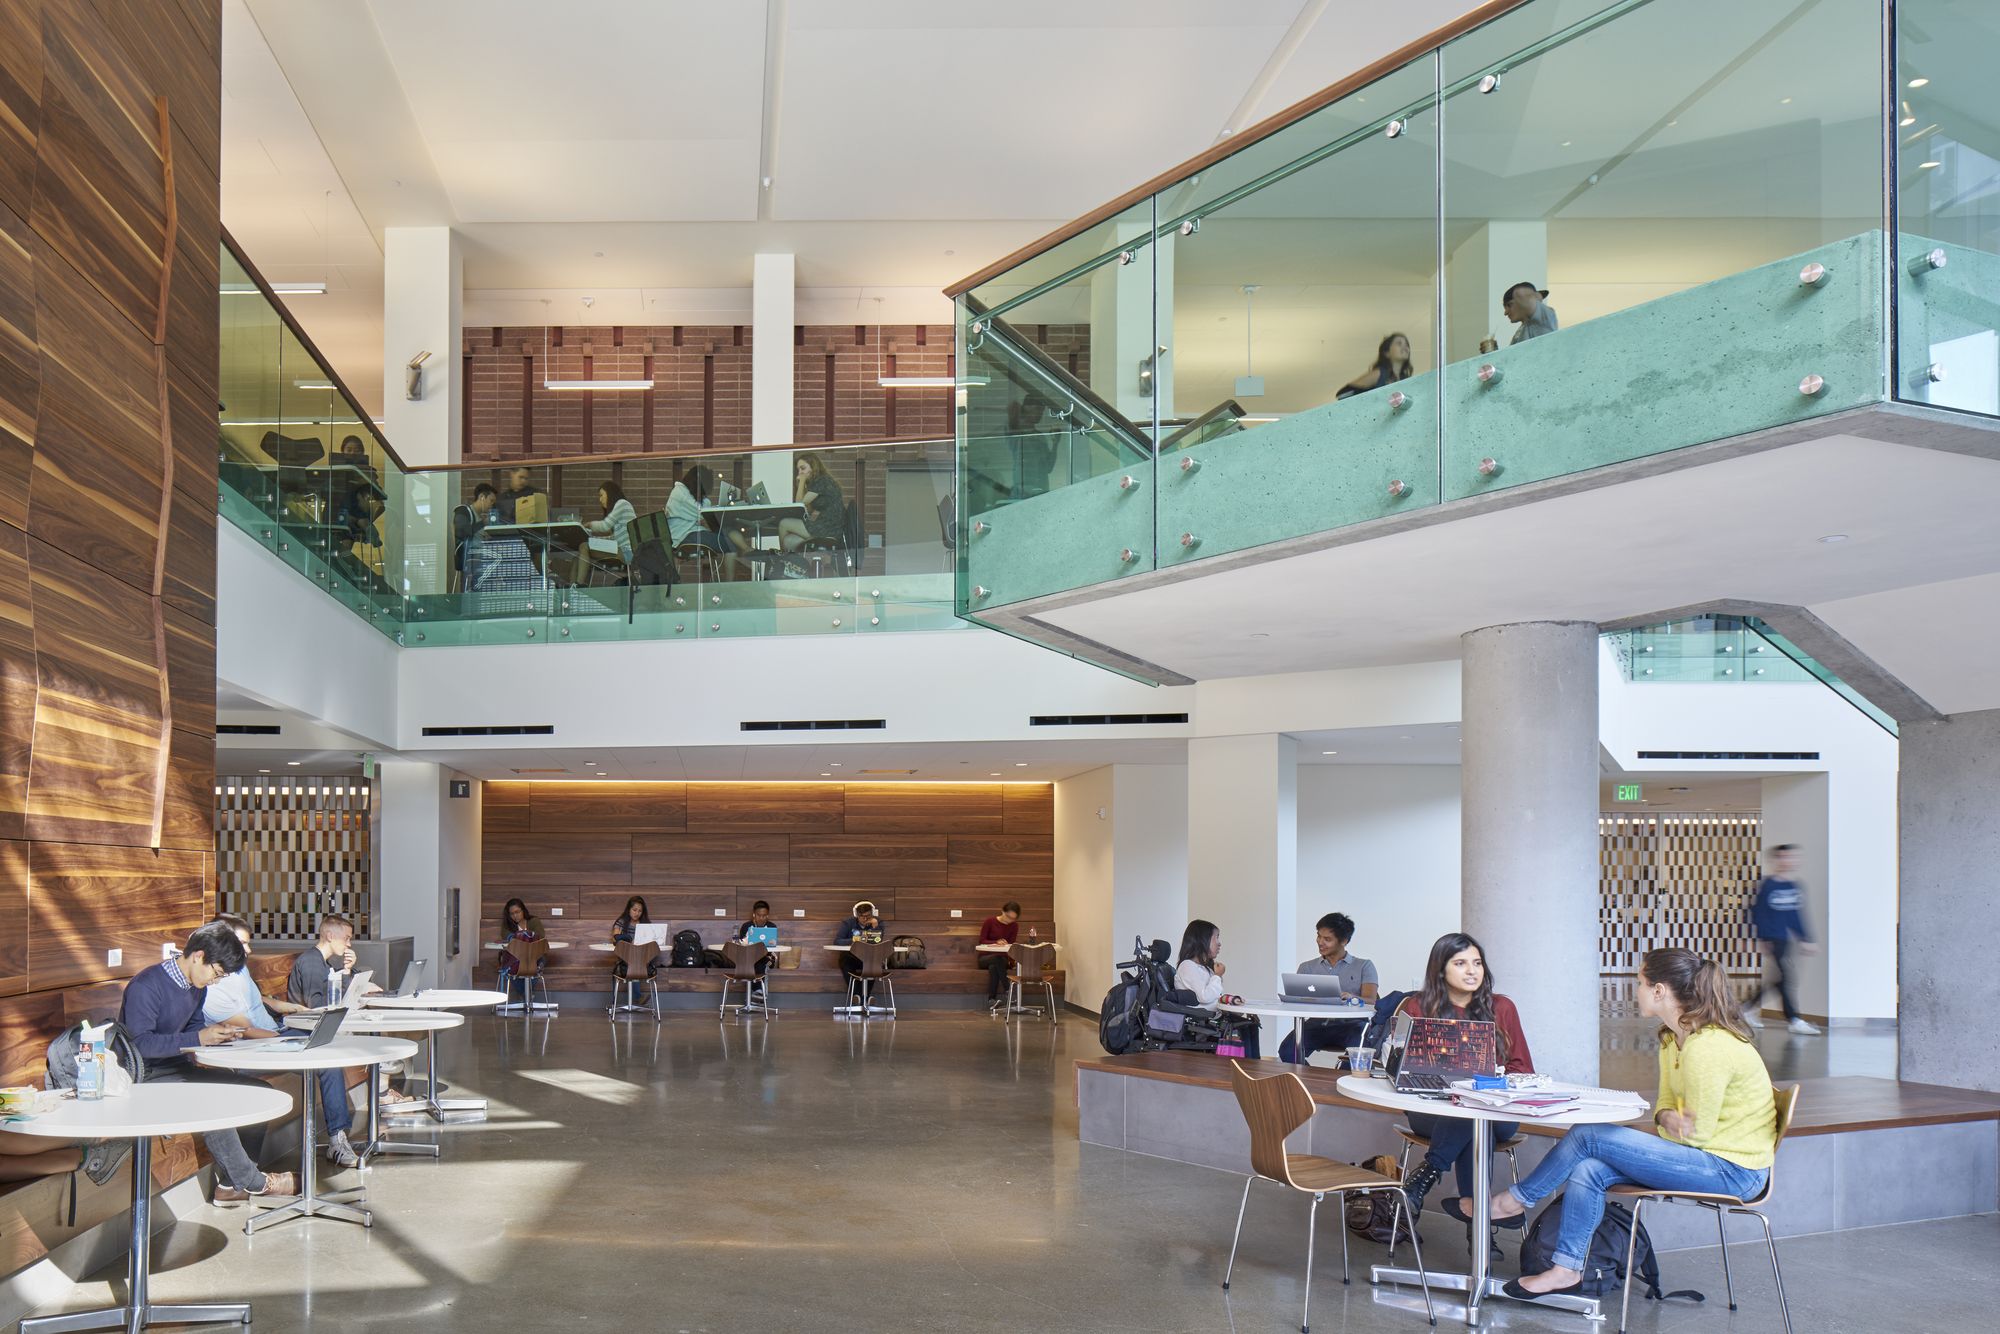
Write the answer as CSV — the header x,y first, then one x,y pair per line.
x,y
873,957
1030,970
744,959
638,962
529,956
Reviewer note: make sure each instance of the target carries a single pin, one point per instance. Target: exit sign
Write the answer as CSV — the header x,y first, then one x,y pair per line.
x,y
1630,792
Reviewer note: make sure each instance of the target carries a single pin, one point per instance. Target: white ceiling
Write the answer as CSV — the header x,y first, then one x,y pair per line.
x,y
1746,527
909,141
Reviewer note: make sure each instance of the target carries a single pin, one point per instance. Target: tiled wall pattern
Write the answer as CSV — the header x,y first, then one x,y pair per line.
x,y
291,850
1682,879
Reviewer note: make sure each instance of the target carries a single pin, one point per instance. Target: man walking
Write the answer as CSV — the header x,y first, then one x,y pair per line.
x,y
1777,920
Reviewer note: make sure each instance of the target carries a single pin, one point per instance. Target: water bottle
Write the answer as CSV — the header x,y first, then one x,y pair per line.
x,y
1031,935
335,984
89,1072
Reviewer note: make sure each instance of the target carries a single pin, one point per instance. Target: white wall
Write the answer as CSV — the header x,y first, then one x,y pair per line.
x,y
1795,811
428,841
1243,847
423,280
1380,843
1152,855
1121,873
1085,886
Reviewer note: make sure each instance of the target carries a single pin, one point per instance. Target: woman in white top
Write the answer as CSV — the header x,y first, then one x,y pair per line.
x,y
684,522
615,525
1201,969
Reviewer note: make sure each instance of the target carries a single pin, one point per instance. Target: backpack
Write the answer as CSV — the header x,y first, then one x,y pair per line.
x,y
913,957
1118,1017
62,1055
1385,1013
1604,1267
1374,1215
687,952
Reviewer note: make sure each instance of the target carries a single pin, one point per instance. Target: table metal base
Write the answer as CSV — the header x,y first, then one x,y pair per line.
x,y
1589,1307
431,1105
139,1312
310,1203
376,1144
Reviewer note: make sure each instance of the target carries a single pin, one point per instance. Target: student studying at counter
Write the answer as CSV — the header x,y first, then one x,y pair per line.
x,y
1003,928
516,924
767,932
866,924
626,930
1459,985
1716,1114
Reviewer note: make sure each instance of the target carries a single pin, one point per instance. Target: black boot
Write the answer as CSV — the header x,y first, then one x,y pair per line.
x,y
1418,1184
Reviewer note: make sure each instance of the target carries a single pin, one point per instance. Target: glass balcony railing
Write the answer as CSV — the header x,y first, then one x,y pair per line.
x,y
1574,234
830,539
1726,650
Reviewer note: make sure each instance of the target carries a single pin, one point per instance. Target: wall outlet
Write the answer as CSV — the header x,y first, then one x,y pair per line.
x,y
722,912
958,912
555,912
113,958
798,912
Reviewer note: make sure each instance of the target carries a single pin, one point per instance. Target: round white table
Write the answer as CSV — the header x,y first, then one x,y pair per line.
x,y
1479,1285
339,1054
1282,1009
148,1110
386,1021
469,1109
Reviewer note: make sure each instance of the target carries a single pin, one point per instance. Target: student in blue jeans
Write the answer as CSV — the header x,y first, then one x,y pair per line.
x,y
1716,1116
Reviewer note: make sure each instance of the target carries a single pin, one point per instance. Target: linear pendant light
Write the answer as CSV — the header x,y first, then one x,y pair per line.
x,y
277,289
597,385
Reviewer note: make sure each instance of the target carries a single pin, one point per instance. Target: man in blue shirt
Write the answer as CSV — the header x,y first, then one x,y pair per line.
x,y
1777,920
162,1011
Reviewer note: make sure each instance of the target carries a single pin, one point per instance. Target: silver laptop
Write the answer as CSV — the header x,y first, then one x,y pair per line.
x,y
1314,989
413,977
758,494
325,1031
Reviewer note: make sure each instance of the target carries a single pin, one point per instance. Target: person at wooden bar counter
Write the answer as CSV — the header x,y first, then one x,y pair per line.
x,y
1003,928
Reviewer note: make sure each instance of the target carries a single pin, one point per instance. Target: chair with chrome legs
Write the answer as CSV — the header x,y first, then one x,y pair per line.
x,y
1787,1097
529,956
1273,1108
873,960
746,965
1030,970
637,965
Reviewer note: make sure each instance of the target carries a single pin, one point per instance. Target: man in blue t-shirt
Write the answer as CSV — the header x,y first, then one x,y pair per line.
x,y
1777,920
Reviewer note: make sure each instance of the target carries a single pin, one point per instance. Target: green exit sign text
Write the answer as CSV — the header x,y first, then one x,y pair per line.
x,y
1630,792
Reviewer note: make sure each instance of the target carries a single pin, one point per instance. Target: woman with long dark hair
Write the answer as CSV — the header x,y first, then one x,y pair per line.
x,y
1392,363
1459,985
1201,968
1716,1114
625,930
516,924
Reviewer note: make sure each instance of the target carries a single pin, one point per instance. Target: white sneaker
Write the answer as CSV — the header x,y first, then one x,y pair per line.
x,y
1801,1026
338,1150
1752,1017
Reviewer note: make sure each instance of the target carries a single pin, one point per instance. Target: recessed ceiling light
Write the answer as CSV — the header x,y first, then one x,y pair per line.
x,y
1831,538
1260,634
263,771
1020,764
1926,166
293,763
1566,143
1784,101
1329,752
1907,120
1402,738
826,775
833,764
1918,83
993,775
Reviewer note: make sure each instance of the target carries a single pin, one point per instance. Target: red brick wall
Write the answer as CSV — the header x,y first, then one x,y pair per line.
x,y
701,393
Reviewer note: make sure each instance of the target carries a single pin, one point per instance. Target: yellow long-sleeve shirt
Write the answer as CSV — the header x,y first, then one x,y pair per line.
x,y
1720,1080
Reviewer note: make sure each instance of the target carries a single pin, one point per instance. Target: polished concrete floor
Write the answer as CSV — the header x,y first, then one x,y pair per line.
x,y
921,1174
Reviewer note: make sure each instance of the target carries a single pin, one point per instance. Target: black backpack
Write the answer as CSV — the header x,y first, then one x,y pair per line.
x,y
687,952
62,1055
911,957
1118,1017
1604,1267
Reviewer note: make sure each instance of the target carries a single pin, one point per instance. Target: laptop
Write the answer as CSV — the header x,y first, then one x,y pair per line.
x,y
413,977
650,933
325,1031
1314,989
1437,1051
758,494
761,935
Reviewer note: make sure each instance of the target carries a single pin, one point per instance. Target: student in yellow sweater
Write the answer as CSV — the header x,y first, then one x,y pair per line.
x,y
1716,1117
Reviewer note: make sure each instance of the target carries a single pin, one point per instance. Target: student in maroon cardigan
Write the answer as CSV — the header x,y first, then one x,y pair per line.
x,y
1001,929
1459,985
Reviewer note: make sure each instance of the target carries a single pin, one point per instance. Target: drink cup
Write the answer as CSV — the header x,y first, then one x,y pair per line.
x,y
1361,1060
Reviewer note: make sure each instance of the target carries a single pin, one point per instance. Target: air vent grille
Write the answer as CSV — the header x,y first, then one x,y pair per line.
x,y
816,725
247,729
1103,719
1728,754
519,729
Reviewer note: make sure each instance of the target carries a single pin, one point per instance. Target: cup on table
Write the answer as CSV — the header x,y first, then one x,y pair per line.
x,y
1361,1060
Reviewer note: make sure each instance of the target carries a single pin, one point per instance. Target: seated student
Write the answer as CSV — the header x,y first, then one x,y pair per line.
x,y
162,1011
866,923
234,1000
760,916
626,930
1459,985
516,924
32,1157
310,985
1357,978
1716,1116
1201,969
1003,928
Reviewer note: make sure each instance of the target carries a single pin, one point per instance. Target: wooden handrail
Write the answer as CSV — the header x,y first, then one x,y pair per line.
x,y
1263,129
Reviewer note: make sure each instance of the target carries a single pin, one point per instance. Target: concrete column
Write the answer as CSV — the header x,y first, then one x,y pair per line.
x,y
771,315
1243,850
423,286
1950,845
428,842
1528,831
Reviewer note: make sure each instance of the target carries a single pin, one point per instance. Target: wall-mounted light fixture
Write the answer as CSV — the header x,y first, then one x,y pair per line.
x,y
413,377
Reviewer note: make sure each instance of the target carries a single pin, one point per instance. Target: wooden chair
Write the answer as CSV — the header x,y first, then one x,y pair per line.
x,y
638,962
744,960
874,967
1273,1108
1786,1097
1413,1141
1031,970
529,955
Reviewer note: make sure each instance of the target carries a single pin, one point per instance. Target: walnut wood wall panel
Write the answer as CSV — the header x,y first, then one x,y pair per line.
x,y
920,851
110,115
